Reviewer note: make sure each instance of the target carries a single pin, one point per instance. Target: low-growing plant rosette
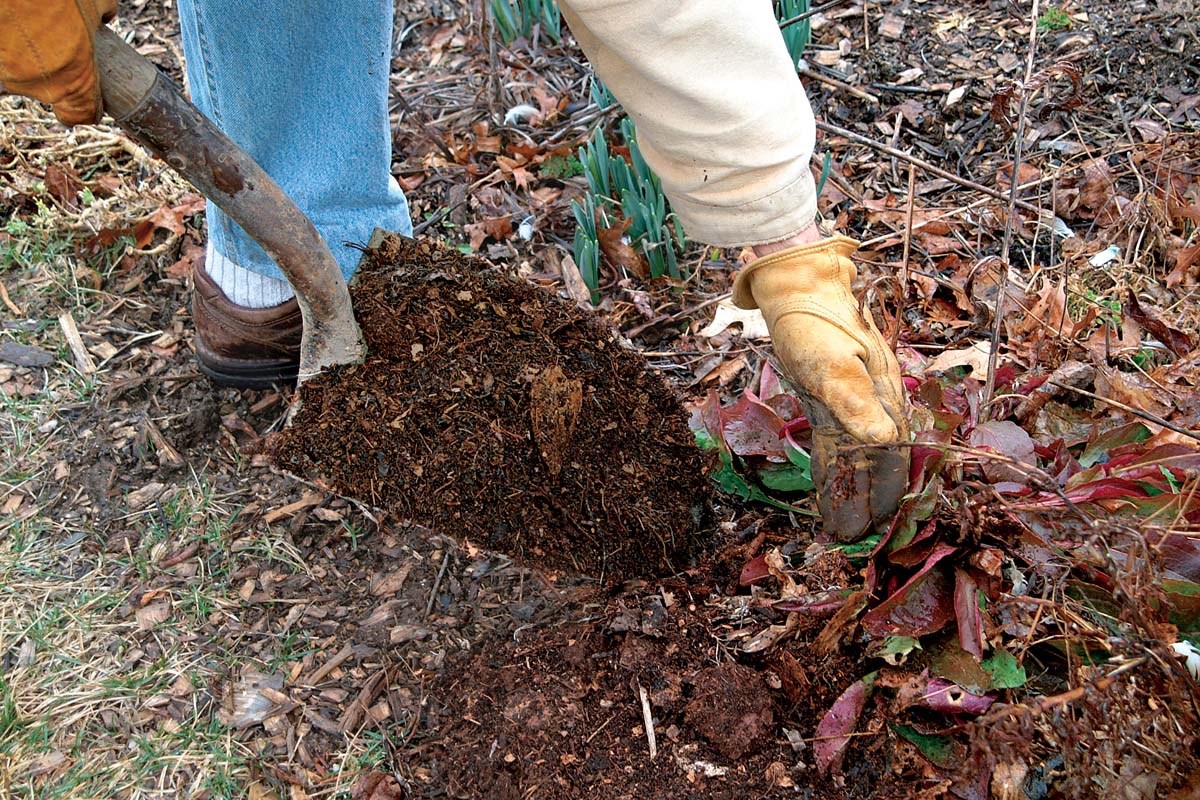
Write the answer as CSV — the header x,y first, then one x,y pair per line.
x,y
1007,550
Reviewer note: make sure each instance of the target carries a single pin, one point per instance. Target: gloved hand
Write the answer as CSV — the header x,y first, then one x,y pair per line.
x,y
847,376
46,53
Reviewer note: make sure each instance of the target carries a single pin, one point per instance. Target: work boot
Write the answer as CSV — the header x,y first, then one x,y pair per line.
x,y
244,347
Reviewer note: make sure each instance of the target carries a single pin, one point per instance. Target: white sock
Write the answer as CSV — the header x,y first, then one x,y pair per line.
x,y
245,287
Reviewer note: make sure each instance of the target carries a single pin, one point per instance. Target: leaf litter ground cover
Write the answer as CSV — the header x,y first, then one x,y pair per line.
x,y
380,636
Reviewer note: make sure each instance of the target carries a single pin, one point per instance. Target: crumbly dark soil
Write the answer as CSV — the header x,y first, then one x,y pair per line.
x,y
557,714
493,411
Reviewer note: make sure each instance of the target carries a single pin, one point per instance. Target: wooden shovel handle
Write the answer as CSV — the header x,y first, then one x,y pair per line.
x,y
149,107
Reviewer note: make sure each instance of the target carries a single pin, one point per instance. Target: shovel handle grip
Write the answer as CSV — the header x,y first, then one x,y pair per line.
x,y
151,110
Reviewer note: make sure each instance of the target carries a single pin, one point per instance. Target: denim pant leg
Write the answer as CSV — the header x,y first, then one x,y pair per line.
x,y
302,86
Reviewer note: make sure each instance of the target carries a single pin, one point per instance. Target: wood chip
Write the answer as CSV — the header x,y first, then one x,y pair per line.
x,y
407,633
140,498
353,716
383,614
24,355
13,307
168,456
309,499
329,666
573,282
392,582
83,359
380,711
891,26
322,723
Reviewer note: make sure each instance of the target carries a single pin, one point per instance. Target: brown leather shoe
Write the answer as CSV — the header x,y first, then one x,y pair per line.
x,y
244,347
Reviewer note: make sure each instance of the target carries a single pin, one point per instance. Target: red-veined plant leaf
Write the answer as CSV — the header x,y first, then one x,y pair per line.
x,y
786,406
914,510
966,611
927,456
921,606
816,604
752,428
1169,455
755,571
1107,489
769,384
950,698
917,550
1101,447
834,729
1180,554
705,418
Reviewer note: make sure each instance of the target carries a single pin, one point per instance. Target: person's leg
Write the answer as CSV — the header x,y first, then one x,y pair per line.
x,y
302,86
721,115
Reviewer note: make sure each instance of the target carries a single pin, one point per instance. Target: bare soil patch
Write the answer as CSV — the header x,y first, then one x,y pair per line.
x,y
557,713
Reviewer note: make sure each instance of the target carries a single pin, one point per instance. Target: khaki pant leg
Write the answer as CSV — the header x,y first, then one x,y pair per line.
x,y
720,113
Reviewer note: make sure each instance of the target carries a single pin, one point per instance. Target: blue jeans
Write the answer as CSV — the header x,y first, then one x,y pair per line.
x,y
302,86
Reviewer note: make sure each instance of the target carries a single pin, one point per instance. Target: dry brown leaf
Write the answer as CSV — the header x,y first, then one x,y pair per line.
x,y
149,617
1185,260
46,763
1130,389
191,255
63,184
573,282
258,791
976,357
724,372
618,251
1176,340
496,228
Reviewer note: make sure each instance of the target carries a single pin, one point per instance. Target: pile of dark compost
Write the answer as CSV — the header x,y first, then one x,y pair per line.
x,y
489,409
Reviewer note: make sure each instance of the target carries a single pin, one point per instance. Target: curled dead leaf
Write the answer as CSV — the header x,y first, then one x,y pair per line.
x,y
618,251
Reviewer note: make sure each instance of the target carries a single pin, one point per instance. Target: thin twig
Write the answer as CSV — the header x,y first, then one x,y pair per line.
x,y
647,719
989,387
908,232
1137,412
812,12
437,584
835,83
883,237
925,165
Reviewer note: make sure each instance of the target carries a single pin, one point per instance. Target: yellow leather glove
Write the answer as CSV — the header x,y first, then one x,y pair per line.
x,y
46,53
847,377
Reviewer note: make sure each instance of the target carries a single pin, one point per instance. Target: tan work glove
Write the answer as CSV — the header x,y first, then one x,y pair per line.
x,y
46,53
847,376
